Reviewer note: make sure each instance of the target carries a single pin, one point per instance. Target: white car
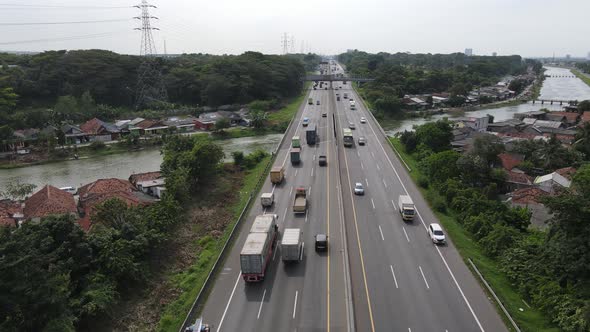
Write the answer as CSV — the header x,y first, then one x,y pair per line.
x,y
363,120
436,233
351,125
305,122
358,189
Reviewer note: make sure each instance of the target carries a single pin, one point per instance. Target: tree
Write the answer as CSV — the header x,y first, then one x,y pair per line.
x,y
87,105
5,133
66,108
258,119
436,136
441,166
221,124
238,157
584,106
7,99
488,147
18,190
409,140
582,140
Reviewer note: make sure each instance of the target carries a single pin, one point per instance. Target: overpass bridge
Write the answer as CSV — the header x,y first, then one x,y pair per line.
x,y
336,78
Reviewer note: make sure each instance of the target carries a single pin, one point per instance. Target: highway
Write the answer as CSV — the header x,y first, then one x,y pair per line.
x,y
379,274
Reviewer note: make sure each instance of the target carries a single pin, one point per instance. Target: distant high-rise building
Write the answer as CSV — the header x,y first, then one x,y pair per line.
x,y
494,53
469,51
588,56
568,56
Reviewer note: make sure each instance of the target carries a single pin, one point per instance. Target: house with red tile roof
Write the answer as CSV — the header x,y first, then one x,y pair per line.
x,y
11,213
98,130
517,180
567,172
49,201
151,127
585,118
510,160
140,177
102,190
530,198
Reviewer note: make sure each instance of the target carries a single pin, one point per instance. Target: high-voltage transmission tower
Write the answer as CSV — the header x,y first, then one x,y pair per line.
x,y
285,43
150,85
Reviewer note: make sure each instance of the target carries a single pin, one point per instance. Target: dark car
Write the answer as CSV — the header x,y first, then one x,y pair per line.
x,y
323,160
321,242
324,115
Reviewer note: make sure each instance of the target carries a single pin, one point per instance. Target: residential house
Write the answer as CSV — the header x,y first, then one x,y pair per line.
x,y
98,130
479,124
74,134
99,191
530,198
11,213
566,172
202,124
49,201
150,183
538,115
415,102
565,136
552,182
517,179
151,127
510,160
585,118
182,125
568,118
507,126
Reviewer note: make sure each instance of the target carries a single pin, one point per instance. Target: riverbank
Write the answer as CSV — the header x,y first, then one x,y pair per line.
x,y
585,78
278,121
527,318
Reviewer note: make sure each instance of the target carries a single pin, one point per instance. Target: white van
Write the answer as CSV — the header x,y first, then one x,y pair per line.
x,y
267,199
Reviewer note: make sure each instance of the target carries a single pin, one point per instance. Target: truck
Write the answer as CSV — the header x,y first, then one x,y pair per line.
x,y
406,207
311,134
295,156
258,248
310,101
277,174
291,245
300,201
267,199
347,137
345,95
198,326
295,142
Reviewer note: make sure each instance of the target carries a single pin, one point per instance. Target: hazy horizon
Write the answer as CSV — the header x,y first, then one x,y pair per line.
x,y
529,28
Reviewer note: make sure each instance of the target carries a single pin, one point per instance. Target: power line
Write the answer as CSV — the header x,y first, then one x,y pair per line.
x,y
96,35
22,6
61,23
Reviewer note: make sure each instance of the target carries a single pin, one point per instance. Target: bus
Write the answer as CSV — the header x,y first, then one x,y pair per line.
x,y
348,139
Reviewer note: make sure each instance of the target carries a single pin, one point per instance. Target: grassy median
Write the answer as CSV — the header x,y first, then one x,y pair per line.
x,y
529,319
581,76
191,280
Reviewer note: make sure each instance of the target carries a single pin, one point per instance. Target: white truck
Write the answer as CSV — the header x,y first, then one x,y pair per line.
x,y
258,249
291,245
267,199
352,105
406,207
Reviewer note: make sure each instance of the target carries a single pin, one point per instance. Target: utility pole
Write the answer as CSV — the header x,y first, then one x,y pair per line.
x,y
292,44
150,85
285,43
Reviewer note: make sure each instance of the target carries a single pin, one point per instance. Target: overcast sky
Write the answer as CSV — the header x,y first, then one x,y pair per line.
x,y
525,27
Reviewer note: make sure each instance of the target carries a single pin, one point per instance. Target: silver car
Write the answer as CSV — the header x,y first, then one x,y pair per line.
x,y
358,189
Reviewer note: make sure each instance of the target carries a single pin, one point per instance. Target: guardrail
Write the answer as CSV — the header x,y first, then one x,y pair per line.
x,y
222,255
483,280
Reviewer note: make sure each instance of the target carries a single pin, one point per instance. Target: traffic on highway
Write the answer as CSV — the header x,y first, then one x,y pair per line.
x,y
342,240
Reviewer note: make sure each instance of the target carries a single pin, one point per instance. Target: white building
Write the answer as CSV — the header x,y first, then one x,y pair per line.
x,y
550,182
469,51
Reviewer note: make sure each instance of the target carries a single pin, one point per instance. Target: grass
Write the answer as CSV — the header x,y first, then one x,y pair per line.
x,y
581,76
530,319
191,281
285,114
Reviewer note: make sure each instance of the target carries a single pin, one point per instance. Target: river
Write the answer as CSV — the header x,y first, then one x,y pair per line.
x,y
557,88
79,172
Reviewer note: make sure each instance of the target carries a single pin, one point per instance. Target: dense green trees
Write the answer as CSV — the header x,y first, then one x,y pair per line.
x,y
399,74
79,85
550,269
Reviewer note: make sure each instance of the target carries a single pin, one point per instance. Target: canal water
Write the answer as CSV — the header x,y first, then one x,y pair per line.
x,y
556,88
79,172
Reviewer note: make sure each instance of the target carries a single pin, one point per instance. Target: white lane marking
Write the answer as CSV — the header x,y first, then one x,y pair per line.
x,y
291,191
358,154
296,172
261,302
373,153
437,249
407,238
409,329
228,302
305,216
309,191
424,277
312,171
378,168
295,304
393,274
273,188
392,203
314,157
274,254
285,215
381,231
367,181
301,253
362,166
373,203
384,183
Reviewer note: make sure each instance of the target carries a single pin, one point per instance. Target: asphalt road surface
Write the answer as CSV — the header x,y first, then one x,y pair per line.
x,y
379,274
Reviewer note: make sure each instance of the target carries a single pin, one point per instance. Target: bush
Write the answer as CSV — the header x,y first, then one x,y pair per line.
x,y
251,160
423,182
238,157
439,205
97,145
